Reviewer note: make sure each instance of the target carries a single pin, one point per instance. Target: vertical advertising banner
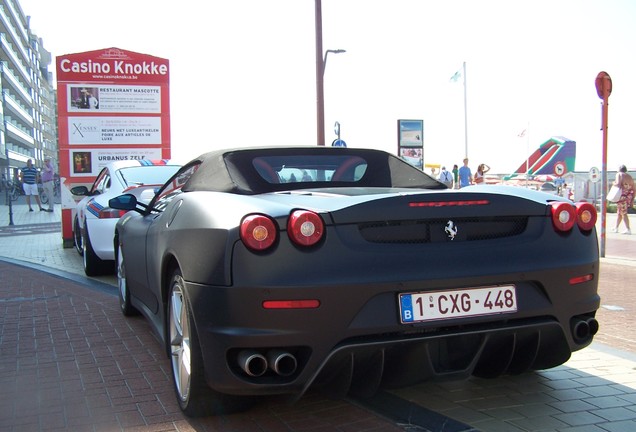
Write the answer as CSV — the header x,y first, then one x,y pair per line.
x,y
411,142
112,105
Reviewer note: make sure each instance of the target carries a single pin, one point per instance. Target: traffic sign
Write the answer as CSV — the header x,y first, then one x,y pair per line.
x,y
338,143
595,175
603,85
559,168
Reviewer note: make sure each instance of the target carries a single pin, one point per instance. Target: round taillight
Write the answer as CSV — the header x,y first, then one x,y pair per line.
x,y
258,232
586,215
305,228
563,215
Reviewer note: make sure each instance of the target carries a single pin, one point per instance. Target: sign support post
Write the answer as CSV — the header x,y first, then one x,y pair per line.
x,y
604,89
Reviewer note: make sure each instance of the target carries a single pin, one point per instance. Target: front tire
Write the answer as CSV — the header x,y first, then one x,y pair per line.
x,y
194,396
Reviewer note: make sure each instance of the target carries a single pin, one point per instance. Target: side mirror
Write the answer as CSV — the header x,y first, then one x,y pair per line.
x,y
80,190
123,202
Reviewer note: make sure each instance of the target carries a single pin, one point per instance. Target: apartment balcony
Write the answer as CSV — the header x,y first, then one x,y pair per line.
x,y
19,42
16,63
18,134
20,20
16,109
8,77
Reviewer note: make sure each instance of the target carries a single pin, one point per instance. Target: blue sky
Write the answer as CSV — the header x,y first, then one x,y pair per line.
x,y
243,71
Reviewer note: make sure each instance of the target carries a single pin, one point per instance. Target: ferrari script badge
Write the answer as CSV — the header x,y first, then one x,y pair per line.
x,y
451,229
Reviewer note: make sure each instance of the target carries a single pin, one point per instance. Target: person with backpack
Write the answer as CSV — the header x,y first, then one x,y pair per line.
x,y
446,177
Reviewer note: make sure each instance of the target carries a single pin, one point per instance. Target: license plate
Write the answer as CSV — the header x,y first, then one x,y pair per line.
x,y
440,305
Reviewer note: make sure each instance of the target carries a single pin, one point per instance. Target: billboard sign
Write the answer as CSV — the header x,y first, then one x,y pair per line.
x,y
113,104
411,142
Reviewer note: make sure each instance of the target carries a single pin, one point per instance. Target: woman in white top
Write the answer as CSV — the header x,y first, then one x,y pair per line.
x,y
481,170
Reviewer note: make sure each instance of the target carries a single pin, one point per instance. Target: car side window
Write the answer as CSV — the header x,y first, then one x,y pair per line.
x,y
173,187
106,184
98,184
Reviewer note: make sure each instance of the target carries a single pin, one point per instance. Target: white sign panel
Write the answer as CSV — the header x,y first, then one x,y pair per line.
x,y
89,162
114,130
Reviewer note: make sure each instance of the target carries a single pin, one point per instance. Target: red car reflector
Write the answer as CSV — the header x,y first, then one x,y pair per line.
x,y
258,232
581,279
291,304
305,228
563,215
109,213
586,215
448,203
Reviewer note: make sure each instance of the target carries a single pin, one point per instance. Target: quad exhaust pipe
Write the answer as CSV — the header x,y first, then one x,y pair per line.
x,y
583,328
256,364
252,363
281,362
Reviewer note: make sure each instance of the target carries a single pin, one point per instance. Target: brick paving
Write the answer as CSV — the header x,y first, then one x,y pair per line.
x,y
595,391
617,315
69,360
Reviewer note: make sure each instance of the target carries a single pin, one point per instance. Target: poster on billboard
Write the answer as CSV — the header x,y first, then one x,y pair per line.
x,y
114,98
114,130
88,162
411,142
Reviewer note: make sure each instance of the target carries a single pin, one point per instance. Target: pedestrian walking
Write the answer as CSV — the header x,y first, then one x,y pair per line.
x,y
446,177
29,176
465,175
48,177
626,183
455,176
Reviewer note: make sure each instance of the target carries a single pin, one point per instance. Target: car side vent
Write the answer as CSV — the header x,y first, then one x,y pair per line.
x,y
442,230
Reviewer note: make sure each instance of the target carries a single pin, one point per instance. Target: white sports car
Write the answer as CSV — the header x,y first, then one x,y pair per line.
x,y
94,221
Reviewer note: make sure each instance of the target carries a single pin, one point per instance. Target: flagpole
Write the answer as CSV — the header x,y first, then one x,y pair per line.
x,y
465,114
527,151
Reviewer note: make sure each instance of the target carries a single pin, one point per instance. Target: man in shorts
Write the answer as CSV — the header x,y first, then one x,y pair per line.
x,y
29,177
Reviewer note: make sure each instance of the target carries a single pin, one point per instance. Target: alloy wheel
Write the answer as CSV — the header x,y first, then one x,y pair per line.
x,y
179,327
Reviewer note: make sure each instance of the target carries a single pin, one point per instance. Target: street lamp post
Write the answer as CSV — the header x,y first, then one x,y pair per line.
x,y
324,61
320,89
320,73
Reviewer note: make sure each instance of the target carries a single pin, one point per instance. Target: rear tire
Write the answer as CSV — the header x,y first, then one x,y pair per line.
x,y
194,396
77,237
93,265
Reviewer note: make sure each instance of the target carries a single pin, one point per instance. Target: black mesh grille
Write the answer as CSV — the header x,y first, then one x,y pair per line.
x,y
441,230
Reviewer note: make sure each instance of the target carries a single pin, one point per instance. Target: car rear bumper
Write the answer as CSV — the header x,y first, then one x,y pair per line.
x,y
359,325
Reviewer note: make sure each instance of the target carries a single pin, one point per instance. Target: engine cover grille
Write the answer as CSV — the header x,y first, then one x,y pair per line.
x,y
443,230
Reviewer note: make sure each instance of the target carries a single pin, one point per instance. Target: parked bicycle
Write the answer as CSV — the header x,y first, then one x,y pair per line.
x,y
44,198
15,190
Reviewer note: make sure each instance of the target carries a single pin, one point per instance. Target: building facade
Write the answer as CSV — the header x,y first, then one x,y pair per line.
x,y
28,124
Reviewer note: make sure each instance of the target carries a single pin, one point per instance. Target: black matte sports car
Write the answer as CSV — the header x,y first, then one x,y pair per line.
x,y
270,270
